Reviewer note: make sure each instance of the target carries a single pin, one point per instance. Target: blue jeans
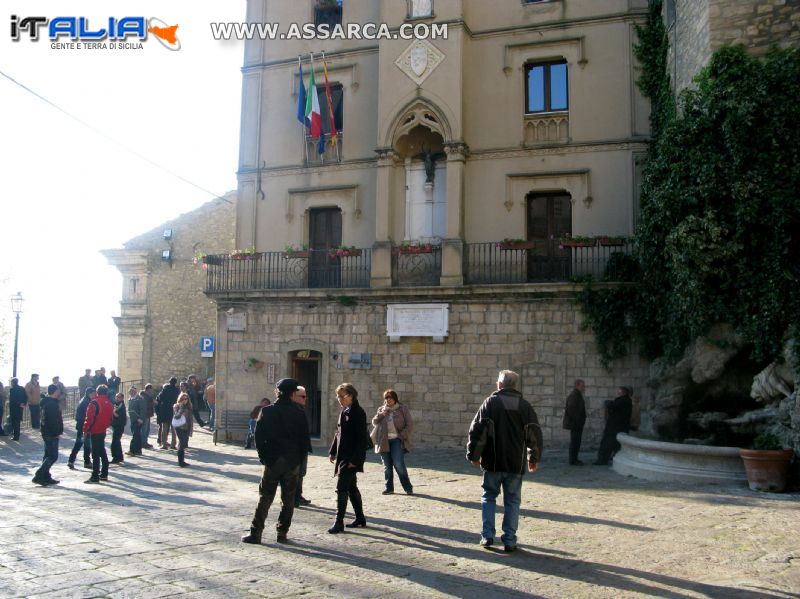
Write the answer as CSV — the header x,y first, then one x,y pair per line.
x,y
144,432
394,457
212,416
35,416
512,497
50,458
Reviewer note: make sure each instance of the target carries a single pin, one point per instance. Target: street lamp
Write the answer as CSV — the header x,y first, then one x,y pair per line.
x,y
16,308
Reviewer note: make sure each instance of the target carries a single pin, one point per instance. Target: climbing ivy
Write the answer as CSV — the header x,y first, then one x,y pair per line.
x,y
719,207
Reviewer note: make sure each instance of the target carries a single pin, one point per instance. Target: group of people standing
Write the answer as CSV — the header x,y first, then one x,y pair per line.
x,y
18,397
622,415
504,439
100,409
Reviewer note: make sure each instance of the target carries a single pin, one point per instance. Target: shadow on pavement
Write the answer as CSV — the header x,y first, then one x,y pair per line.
x,y
624,579
476,505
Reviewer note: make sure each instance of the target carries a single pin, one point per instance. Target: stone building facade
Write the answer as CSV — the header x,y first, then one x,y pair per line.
x,y
163,309
535,332
697,28
523,123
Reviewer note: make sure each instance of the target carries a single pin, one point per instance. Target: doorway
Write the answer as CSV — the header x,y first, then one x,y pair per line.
x,y
306,370
549,218
324,234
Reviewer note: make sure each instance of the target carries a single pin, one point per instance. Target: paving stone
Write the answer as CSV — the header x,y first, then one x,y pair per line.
x,y
157,530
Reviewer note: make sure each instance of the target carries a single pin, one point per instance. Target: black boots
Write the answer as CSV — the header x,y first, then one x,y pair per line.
x,y
338,525
358,508
254,538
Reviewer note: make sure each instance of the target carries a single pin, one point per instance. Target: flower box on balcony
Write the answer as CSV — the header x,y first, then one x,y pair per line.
x,y
342,253
574,244
516,245
611,241
425,248
255,256
297,254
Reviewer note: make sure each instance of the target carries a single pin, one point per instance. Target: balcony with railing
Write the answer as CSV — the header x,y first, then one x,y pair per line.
x,y
541,261
307,269
420,265
416,265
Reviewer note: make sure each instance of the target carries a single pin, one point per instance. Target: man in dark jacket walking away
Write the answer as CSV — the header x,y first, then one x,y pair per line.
x,y
17,400
52,428
503,428
98,418
165,402
574,420
281,440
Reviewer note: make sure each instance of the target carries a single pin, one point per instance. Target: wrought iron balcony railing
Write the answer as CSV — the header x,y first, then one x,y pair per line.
x,y
320,269
539,261
416,266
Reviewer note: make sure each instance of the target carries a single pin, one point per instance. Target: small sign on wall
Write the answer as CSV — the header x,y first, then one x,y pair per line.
x,y
237,321
359,361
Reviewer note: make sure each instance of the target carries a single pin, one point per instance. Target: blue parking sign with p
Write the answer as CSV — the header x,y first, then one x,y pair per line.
x,y
207,347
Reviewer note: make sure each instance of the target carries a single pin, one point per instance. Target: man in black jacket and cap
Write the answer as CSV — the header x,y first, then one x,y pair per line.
x,y
501,432
282,440
52,428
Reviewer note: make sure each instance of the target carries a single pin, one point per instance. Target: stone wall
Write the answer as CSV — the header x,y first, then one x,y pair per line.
x,y
689,48
755,23
702,26
164,309
490,329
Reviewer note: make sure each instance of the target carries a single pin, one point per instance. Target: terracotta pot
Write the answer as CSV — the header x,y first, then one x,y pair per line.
x,y
767,469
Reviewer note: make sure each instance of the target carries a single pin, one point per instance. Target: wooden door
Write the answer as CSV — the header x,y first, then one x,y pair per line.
x,y
549,219
325,233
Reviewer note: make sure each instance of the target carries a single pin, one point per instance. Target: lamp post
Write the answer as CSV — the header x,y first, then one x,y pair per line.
x,y
16,307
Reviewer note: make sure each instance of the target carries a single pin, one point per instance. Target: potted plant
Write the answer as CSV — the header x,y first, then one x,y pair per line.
x,y
343,251
515,244
253,364
415,247
576,241
245,254
767,464
609,241
291,251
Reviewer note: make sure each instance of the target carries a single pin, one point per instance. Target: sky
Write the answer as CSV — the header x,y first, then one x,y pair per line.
x,y
68,191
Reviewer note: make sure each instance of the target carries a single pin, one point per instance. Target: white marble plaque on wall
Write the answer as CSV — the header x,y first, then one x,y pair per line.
x,y
237,321
417,320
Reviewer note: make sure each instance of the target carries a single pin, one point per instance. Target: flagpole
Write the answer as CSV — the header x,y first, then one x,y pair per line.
x,y
331,116
302,125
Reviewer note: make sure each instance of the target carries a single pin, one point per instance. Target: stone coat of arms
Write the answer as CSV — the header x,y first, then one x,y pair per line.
x,y
419,60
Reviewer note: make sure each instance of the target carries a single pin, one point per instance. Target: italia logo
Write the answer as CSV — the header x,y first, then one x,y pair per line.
x,y
112,29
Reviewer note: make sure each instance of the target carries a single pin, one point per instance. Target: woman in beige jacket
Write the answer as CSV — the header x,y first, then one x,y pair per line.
x,y
392,437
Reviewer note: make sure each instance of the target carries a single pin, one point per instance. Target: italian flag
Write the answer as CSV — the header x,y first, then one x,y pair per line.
x,y
313,115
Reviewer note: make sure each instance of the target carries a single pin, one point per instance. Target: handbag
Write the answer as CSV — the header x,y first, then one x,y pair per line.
x,y
375,436
179,421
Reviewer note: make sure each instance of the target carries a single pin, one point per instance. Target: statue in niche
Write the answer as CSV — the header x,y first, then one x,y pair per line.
x,y
430,158
421,8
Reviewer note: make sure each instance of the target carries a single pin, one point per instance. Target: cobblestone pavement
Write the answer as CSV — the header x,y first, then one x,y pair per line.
x,y
156,530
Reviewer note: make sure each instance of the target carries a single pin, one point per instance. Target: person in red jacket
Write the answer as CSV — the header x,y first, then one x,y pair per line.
x,y
99,414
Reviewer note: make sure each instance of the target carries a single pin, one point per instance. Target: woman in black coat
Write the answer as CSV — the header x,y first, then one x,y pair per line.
x,y
618,420
348,452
